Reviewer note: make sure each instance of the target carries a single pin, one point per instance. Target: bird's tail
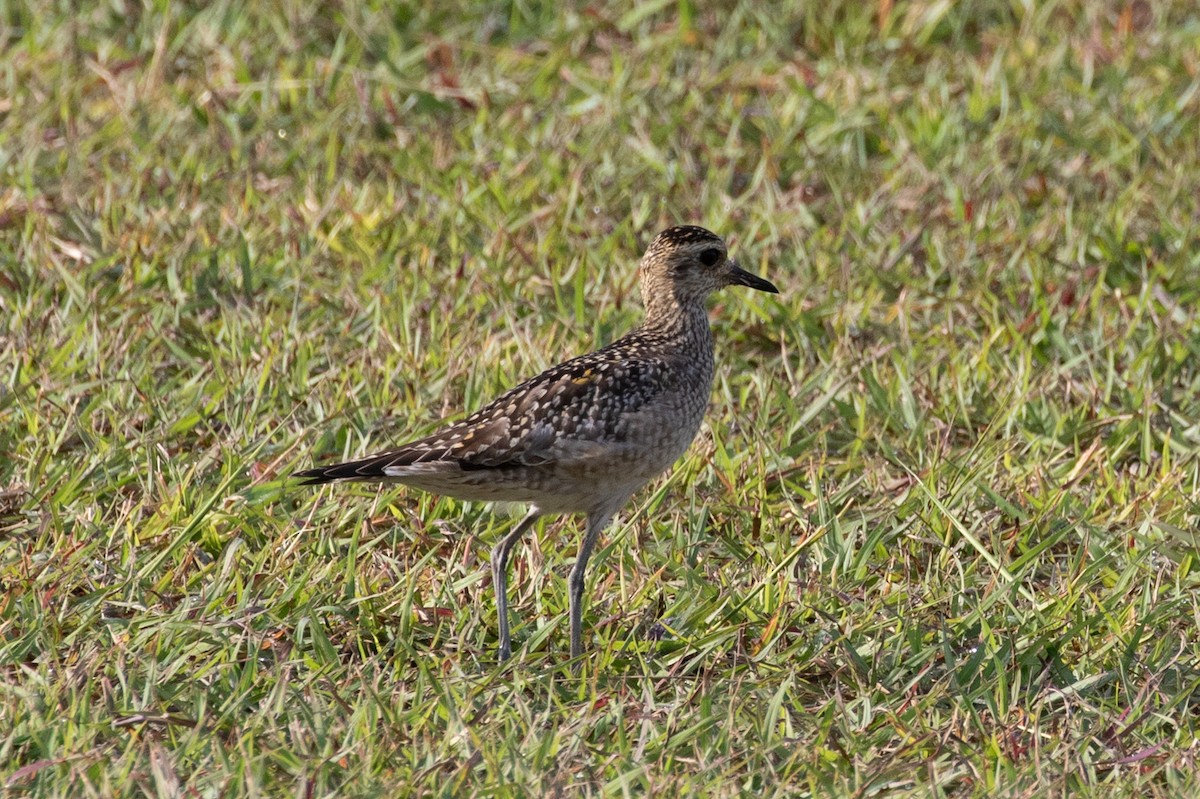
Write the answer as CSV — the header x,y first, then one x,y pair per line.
x,y
365,469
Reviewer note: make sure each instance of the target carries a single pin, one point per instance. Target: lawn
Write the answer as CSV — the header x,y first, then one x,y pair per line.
x,y
938,535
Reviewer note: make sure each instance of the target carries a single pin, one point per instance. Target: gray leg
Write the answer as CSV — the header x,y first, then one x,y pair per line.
x,y
596,522
500,576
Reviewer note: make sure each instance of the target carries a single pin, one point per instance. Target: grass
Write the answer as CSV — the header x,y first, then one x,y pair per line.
x,y
938,535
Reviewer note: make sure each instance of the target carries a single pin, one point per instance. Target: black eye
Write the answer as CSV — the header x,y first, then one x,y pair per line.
x,y
710,257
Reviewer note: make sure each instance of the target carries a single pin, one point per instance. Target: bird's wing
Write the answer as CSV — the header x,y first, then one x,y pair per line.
x,y
568,413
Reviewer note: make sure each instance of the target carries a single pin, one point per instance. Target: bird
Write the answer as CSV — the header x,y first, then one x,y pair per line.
x,y
583,436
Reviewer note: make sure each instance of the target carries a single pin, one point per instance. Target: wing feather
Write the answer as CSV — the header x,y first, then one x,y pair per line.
x,y
565,414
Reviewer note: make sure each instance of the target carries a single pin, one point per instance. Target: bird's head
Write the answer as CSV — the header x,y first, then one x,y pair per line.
x,y
689,263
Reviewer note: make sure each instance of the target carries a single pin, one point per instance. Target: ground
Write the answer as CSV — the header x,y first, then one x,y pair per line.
x,y
937,537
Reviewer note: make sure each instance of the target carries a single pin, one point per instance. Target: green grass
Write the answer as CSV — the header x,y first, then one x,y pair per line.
x,y
938,535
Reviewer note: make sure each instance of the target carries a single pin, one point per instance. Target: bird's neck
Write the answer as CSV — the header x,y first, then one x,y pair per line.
x,y
668,315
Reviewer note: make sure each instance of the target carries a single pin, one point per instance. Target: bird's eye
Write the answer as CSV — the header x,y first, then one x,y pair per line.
x,y
710,257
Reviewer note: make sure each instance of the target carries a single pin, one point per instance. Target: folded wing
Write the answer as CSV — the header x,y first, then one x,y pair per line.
x,y
567,413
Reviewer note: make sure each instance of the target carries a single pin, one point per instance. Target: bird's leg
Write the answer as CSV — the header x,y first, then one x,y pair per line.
x,y
596,522
500,576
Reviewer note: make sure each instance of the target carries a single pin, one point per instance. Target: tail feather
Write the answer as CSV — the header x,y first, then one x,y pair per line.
x,y
371,468
328,474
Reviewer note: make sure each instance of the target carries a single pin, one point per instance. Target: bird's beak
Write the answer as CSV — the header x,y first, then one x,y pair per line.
x,y
740,277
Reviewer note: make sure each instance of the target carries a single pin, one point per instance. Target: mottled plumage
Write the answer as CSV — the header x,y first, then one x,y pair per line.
x,y
583,436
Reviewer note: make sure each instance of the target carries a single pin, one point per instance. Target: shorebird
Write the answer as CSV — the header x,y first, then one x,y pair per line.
x,y
582,436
